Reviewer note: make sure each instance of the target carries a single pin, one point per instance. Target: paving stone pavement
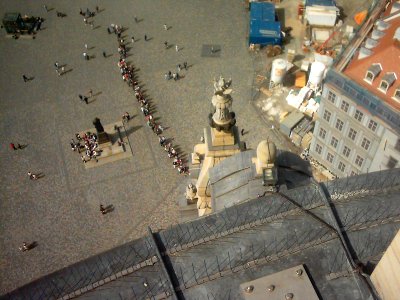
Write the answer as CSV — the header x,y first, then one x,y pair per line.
x,y
61,210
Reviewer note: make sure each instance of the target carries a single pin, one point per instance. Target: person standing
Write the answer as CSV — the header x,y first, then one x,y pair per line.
x,y
185,65
104,54
86,56
176,48
165,27
12,146
133,39
166,44
136,19
45,7
85,99
25,78
90,93
242,132
102,209
145,37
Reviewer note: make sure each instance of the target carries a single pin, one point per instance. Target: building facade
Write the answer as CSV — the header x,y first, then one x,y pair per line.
x,y
358,125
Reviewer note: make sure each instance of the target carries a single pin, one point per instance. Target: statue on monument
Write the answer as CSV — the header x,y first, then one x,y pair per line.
x,y
103,137
190,193
97,124
221,85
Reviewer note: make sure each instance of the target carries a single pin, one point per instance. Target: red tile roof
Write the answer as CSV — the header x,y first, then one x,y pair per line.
x,y
387,54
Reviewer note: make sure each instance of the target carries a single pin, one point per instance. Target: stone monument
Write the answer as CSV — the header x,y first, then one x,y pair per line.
x,y
221,140
102,136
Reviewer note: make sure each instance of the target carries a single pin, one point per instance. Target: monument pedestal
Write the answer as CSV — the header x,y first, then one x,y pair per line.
x,y
103,139
221,138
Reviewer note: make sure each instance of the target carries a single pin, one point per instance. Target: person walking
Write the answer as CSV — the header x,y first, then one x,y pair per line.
x,y
165,27
166,44
133,39
80,97
242,132
45,7
178,67
32,176
25,78
97,9
185,65
85,21
90,93
145,37
24,247
104,54
85,99
86,56
102,209
136,19
12,146
176,48
56,65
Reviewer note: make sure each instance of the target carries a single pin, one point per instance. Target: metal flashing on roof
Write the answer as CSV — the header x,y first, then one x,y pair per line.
x,y
292,283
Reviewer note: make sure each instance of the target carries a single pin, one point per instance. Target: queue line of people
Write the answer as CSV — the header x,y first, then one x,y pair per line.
x,y
127,73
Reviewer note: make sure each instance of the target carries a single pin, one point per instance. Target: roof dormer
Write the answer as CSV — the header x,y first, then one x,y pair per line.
x,y
387,81
377,34
382,25
370,43
364,52
372,72
396,95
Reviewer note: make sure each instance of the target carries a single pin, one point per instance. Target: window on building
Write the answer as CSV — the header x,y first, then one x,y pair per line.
x,y
331,96
396,95
384,86
339,124
369,77
359,160
397,146
358,115
392,162
344,106
346,151
352,134
329,157
318,148
372,125
341,166
334,142
327,115
322,133
365,143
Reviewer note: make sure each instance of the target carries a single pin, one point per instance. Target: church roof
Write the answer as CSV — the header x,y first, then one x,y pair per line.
x,y
336,230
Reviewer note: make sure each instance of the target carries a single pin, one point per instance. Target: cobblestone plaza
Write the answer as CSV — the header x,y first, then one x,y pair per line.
x,y
61,210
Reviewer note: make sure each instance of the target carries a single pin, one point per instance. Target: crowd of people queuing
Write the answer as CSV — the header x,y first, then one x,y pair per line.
x,y
127,73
